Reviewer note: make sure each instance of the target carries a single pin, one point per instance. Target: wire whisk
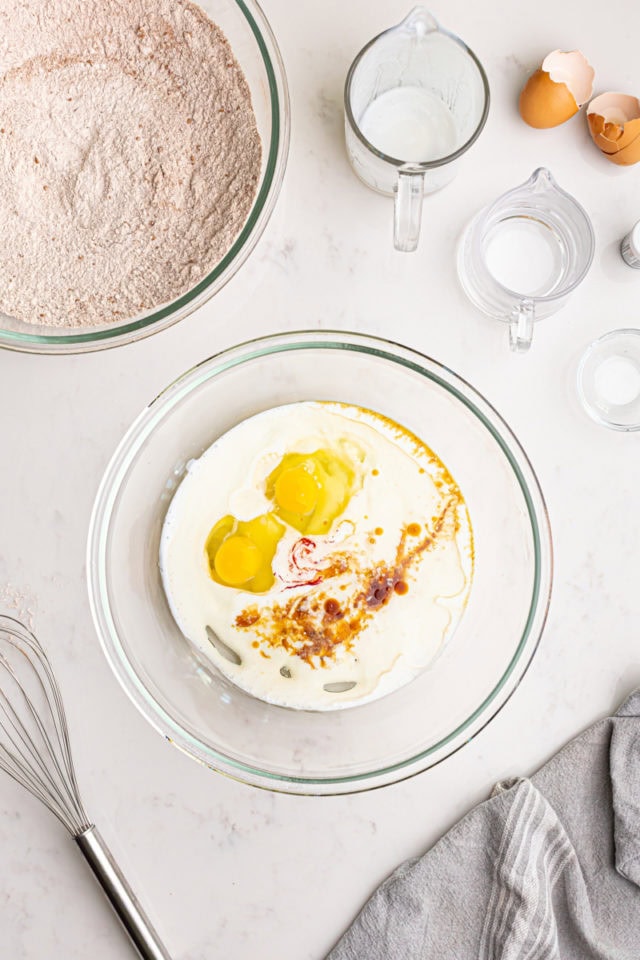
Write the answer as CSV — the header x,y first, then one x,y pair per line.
x,y
35,750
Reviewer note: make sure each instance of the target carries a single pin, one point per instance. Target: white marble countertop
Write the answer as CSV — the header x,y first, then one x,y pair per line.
x,y
225,870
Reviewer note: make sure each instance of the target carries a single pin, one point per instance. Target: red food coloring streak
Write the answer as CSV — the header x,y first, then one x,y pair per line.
x,y
301,564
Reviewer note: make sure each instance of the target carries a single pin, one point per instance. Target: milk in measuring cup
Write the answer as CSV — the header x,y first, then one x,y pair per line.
x,y
410,124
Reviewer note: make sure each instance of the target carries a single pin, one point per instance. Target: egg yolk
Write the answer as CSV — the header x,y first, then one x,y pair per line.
x,y
310,490
297,491
237,560
240,552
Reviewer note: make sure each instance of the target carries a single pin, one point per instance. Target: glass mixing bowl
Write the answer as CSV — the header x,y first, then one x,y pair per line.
x,y
360,747
256,50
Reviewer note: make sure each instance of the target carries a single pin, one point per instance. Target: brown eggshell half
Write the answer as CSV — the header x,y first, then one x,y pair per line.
x,y
544,103
556,91
614,125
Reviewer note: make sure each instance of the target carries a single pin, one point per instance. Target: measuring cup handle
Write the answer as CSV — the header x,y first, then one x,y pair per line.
x,y
408,210
521,326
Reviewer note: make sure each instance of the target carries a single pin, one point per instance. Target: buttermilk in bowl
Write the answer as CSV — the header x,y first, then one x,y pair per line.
x,y
318,554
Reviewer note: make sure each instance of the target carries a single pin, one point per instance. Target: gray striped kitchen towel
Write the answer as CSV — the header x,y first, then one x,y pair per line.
x,y
546,869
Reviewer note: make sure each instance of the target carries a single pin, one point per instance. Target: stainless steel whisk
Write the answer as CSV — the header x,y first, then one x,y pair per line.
x,y
35,750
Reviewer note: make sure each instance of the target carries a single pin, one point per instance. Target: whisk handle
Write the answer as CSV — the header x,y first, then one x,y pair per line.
x,y
120,895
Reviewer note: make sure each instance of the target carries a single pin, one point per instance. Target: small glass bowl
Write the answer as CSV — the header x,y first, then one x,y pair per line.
x,y
609,380
364,746
255,48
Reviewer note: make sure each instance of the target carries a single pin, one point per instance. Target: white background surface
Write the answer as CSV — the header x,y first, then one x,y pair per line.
x,y
227,871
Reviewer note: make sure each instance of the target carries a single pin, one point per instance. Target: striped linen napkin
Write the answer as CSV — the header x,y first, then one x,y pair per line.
x,y
546,869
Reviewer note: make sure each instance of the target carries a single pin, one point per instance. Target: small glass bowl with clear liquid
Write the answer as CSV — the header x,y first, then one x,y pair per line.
x,y
609,380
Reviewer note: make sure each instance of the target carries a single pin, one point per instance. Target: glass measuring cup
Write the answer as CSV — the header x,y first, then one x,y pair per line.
x,y
416,98
521,257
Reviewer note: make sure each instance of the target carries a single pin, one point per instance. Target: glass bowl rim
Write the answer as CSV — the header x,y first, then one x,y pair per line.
x,y
259,215
126,452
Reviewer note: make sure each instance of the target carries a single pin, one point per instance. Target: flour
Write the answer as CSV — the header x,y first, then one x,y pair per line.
x,y
129,156
18,603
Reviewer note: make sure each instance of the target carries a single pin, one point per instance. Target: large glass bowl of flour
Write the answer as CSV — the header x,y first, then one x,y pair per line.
x,y
189,701
255,49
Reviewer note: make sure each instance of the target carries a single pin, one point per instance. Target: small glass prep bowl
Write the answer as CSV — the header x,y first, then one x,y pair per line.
x,y
608,380
255,48
363,746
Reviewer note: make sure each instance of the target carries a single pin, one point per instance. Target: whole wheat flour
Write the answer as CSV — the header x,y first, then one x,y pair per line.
x,y
129,156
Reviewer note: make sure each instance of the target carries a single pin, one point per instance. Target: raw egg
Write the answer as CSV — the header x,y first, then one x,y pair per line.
x,y
614,125
240,552
557,90
310,490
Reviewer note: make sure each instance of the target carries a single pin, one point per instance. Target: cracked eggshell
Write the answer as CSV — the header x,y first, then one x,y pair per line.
x,y
614,125
557,90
